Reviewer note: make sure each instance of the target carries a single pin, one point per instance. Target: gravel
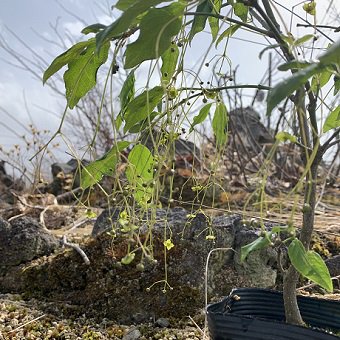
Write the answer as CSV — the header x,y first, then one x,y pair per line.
x,y
26,319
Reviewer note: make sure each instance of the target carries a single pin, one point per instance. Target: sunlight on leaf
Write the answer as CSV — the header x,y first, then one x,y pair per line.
x,y
63,59
214,22
220,125
320,80
285,136
333,120
81,75
106,165
202,115
310,265
140,107
169,63
241,11
302,40
140,173
228,33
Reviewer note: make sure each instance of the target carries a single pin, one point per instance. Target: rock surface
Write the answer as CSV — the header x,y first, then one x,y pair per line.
x,y
23,240
130,294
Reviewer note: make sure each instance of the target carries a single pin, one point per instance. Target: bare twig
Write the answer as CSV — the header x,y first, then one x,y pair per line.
x,y
76,248
27,323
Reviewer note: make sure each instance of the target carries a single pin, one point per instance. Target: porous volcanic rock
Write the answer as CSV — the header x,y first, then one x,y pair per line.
x,y
23,240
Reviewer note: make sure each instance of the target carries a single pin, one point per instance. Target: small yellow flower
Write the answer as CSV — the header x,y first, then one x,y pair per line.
x,y
168,244
210,237
90,214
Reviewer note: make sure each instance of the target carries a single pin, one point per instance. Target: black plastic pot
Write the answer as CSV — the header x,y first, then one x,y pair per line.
x,y
258,314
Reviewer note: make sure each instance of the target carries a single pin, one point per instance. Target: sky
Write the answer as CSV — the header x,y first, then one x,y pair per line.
x,y
24,99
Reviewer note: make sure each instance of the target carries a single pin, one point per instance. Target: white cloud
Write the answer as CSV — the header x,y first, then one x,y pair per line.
x,y
74,28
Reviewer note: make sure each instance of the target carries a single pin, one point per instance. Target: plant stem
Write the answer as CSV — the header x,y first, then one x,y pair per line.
x,y
292,311
234,21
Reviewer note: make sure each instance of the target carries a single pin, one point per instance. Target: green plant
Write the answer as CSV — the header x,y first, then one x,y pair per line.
x,y
165,35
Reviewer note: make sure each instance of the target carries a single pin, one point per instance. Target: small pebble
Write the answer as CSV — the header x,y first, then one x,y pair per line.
x,y
162,322
133,334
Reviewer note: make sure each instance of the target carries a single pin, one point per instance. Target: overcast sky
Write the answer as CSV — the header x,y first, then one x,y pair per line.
x,y
33,20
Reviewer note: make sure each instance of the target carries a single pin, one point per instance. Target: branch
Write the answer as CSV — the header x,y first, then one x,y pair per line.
x,y
216,89
276,34
336,29
77,249
243,24
301,18
328,144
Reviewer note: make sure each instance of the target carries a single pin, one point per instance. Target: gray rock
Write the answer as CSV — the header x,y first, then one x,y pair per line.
x,y
245,125
7,184
186,153
333,265
259,266
133,334
162,322
129,295
106,221
65,176
23,240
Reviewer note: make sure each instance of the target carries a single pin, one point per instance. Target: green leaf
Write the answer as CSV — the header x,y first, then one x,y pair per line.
x,y
199,22
127,92
131,10
106,165
259,243
157,28
64,58
228,33
293,65
219,125
123,5
241,11
140,173
333,120
332,55
289,39
169,63
140,107
82,72
202,115
95,28
302,40
213,22
139,127
286,87
284,136
310,265
321,79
